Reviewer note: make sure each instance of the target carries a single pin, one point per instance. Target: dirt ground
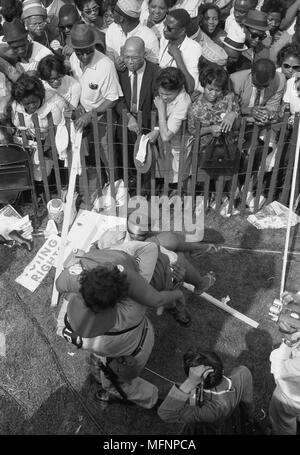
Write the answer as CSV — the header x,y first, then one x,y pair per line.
x,y
45,386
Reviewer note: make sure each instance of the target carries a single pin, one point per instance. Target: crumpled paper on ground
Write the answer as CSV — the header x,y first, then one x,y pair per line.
x,y
274,216
11,220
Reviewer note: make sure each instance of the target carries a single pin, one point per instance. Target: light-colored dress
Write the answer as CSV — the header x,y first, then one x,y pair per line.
x,y
176,113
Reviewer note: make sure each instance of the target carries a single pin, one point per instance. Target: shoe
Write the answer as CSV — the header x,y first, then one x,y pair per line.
x,y
181,315
108,397
210,278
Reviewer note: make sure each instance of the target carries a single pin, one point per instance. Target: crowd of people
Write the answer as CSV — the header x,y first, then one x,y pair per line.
x,y
205,62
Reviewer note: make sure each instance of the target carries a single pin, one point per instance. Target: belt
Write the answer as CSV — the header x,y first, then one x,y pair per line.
x,y
142,340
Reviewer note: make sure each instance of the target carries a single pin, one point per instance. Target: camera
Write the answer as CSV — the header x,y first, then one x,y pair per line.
x,y
287,314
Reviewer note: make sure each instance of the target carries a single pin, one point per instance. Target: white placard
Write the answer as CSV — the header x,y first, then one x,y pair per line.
x,y
35,272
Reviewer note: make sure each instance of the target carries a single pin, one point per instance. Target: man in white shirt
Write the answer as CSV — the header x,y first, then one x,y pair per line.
x,y
27,53
179,51
284,410
126,24
100,88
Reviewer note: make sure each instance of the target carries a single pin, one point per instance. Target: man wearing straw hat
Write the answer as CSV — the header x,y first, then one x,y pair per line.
x,y
234,45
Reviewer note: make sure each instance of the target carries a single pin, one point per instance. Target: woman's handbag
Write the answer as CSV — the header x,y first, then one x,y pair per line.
x,y
221,157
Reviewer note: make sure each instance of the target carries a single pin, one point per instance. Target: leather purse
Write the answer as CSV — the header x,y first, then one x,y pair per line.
x,y
221,157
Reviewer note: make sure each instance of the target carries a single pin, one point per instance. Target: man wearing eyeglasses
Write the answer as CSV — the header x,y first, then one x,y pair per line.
x,y
34,16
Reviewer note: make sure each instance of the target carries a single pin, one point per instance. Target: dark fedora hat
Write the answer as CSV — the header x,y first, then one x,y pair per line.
x,y
257,20
14,31
85,322
82,36
144,166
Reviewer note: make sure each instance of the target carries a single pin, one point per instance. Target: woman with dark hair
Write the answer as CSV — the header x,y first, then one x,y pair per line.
x,y
208,402
108,7
216,108
288,60
29,97
172,105
52,71
209,22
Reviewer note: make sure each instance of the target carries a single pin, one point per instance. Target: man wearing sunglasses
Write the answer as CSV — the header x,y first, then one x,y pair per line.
x,y
179,51
255,26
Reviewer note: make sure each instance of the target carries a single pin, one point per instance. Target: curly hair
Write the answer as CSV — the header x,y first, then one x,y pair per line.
x,y
213,73
274,6
48,64
195,357
26,86
103,287
290,50
171,79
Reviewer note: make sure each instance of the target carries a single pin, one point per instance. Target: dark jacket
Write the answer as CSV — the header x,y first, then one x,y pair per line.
x,y
147,94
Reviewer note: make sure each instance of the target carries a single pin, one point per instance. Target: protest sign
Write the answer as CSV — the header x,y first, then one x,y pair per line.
x,y
35,272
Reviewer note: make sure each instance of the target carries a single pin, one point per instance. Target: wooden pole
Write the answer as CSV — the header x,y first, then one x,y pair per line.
x,y
223,306
289,223
75,169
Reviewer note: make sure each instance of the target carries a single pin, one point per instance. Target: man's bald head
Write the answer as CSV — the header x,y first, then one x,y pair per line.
x,y
136,43
133,53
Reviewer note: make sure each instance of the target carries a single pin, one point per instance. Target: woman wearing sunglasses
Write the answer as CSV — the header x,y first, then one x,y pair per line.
x,y
288,60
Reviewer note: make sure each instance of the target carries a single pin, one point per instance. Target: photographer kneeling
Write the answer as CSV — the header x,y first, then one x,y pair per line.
x,y
284,410
208,402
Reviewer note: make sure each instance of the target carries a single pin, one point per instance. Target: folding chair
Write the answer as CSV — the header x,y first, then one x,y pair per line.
x,y
16,174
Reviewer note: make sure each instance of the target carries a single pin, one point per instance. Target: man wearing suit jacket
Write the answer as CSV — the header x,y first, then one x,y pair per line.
x,y
260,90
138,86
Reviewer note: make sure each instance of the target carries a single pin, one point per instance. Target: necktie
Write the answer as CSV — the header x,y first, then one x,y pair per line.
x,y
257,97
134,106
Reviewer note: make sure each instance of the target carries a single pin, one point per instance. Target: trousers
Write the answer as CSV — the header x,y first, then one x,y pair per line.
x,y
283,413
138,390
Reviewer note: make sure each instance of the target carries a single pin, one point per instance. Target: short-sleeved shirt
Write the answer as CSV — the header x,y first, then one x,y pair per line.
x,y
70,90
99,80
191,52
115,39
38,52
210,114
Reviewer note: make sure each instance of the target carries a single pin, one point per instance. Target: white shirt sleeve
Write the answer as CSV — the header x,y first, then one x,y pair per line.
x,y
283,363
109,83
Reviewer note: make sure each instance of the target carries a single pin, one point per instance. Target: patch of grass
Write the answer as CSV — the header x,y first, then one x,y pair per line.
x,y
36,375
